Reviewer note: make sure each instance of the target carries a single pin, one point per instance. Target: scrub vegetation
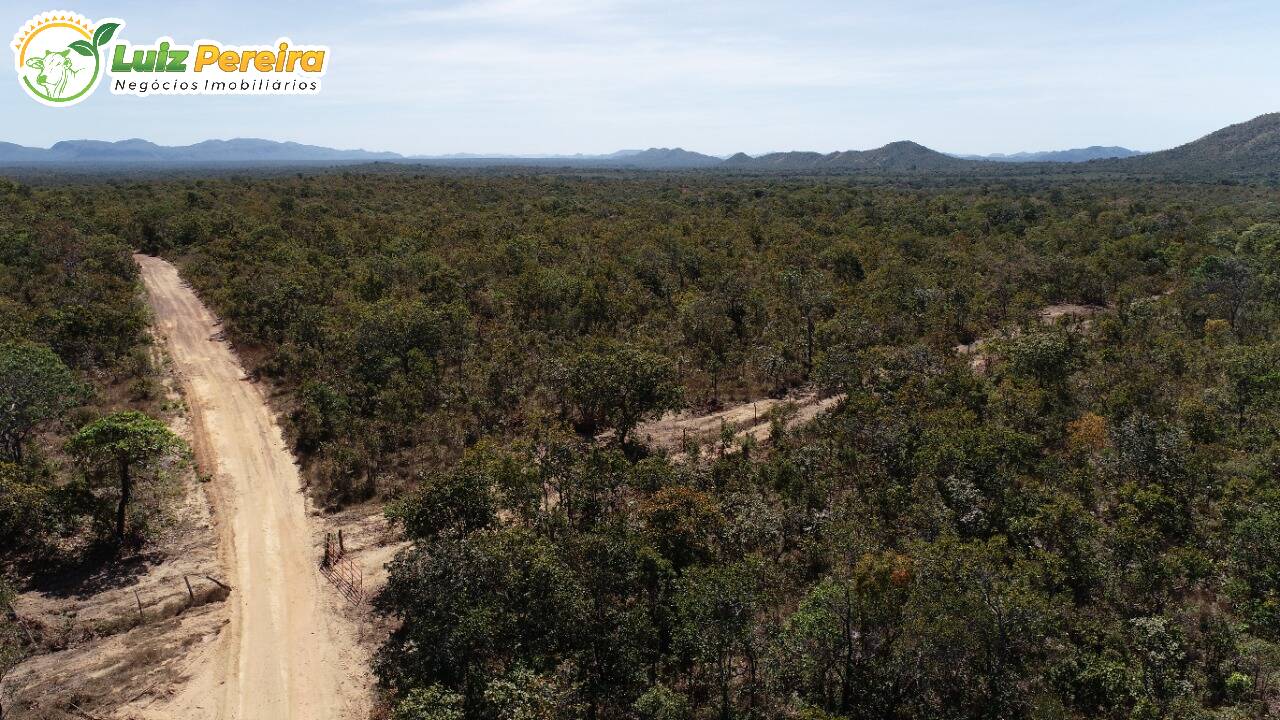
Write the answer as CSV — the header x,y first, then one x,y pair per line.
x,y
1083,522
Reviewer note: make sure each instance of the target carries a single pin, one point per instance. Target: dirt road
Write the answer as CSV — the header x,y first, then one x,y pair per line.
x,y
284,653
749,419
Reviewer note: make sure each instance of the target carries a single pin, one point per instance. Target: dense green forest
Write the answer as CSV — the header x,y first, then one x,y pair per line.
x,y
75,356
1084,524
80,487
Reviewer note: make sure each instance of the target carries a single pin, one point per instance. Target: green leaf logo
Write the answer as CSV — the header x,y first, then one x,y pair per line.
x,y
103,34
82,47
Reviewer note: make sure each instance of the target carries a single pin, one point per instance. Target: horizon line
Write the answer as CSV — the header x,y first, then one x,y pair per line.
x,y
634,149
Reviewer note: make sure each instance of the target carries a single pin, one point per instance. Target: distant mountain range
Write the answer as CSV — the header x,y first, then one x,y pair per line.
x,y
653,158
903,156
1251,147
670,157
240,150
532,156
1075,155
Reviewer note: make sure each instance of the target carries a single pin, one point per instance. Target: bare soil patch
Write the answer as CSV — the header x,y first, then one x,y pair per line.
x,y
674,432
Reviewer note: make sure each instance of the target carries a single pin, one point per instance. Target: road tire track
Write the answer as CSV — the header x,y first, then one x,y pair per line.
x,y
285,654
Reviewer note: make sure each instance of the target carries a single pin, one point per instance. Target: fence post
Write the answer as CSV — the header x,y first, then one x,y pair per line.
x,y
217,582
190,595
342,548
141,617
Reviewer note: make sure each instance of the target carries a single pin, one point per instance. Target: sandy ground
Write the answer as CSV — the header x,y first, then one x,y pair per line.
x,y
747,420
1076,314
370,543
286,652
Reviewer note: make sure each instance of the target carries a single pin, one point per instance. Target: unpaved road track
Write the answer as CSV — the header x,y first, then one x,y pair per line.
x,y
749,419
284,655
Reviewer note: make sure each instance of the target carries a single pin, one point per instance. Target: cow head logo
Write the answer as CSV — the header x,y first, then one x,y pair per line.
x,y
59,56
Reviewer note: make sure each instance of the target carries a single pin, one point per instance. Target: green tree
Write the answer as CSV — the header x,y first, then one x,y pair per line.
x,y
842,639
708,332
1232,282
662,703
617,386
26,508
716,609
35,388
624,585
126,442
976,622
429,703
1045,355
522,694
1162,659
470,607
1255,559
1253,379
459,500
808,293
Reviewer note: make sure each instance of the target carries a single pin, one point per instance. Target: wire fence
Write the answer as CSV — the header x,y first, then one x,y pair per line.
x,y
345,575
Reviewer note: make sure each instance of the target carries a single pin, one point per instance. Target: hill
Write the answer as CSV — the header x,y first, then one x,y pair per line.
x,y
19,153
1074,155
795,159
902,156
239,150
1251,147
664,158
897,157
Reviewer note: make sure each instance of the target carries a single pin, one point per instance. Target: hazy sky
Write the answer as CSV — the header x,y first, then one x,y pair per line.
x,y
543,76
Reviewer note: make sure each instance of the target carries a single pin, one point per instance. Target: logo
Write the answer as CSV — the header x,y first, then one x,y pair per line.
x,y
60,56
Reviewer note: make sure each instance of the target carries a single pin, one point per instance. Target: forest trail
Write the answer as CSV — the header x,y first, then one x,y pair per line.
x,y
752,419
285,654
749,419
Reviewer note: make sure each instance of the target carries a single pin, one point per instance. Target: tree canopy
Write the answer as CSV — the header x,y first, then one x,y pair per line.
x,y
125,442
35,388
1013,508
